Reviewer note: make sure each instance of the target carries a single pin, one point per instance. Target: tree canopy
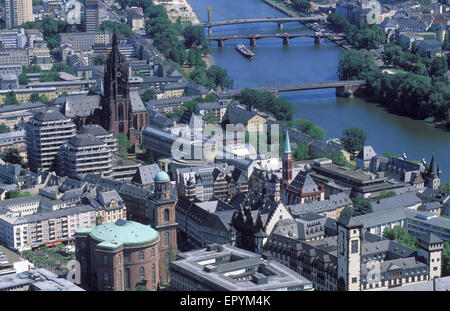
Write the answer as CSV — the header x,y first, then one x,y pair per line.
x,y
10,98
12,156
400,235
310,128
353,139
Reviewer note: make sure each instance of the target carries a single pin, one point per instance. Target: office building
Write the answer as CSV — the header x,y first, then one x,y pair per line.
x,y
227,268
36,280
82,154
47,131
92,15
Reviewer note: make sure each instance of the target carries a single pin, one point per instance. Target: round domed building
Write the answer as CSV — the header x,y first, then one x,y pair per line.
x,y
118,256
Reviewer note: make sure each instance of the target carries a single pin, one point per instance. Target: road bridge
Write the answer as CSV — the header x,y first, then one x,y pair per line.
x,y
279,21
285,36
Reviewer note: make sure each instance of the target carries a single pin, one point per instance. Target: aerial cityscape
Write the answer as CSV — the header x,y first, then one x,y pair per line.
x,y
225,146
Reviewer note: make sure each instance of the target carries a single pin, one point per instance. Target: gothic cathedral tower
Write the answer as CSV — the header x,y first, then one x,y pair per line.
x,y
349,254
116,99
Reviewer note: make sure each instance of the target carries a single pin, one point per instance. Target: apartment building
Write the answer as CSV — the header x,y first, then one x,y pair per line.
x,y
18,12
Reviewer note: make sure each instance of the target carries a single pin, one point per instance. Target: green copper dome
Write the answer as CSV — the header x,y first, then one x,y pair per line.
x,y
123,232
162,177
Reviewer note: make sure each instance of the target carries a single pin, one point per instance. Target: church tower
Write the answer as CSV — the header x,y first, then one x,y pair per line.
x,y
288,162
116,98
163,206
430,250
432,176
349,253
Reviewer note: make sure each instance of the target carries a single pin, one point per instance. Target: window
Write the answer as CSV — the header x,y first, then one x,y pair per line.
x,y
153,252
118,259
141,255
83,245
435,269
105,259
126,257
119,279
127,279
141,272
166,215
354,280
153,273
167,238
354,246
105,277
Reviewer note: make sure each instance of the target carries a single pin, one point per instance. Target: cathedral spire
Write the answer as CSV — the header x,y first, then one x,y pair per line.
x,y
114,39
287,143
431,169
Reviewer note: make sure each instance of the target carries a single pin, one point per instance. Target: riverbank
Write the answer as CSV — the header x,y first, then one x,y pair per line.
x,y
179,9
314,27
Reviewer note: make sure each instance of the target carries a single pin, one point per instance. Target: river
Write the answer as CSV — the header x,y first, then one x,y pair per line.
x,y
303,61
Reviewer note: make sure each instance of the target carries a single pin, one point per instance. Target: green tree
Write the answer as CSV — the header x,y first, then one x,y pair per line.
x,y
34,97
43,99
355,65
148,95
386,194
99,60
4,128
446,259
12,156
249,98
400,235
301,152
301,5
353,139
218,77
445,187
49,76
23,79
361,206
310,128
124,143
121,29
11,98
193,36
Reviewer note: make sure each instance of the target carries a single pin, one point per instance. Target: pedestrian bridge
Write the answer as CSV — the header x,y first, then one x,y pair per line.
x,y
343,88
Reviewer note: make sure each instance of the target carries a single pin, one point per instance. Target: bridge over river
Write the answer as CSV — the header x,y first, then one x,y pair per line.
x,y
279,21
344,88
285,36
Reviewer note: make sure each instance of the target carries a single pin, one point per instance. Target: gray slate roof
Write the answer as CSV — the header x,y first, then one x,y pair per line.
x,y
136,102
145,174
49,115
84,140
81,105
303,183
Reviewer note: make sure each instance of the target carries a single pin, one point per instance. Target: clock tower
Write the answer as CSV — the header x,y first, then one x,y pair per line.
x,y
116,104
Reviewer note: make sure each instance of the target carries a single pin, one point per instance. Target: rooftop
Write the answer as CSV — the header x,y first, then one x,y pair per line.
x,y
122,232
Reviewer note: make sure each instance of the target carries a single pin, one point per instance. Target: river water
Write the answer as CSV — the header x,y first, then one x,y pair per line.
x,y
303,61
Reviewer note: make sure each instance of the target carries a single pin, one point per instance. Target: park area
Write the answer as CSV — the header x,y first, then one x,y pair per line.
x,y
53,258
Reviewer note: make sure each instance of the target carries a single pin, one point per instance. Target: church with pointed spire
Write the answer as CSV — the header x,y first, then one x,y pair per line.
x,y
432,175
122,111
288,162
